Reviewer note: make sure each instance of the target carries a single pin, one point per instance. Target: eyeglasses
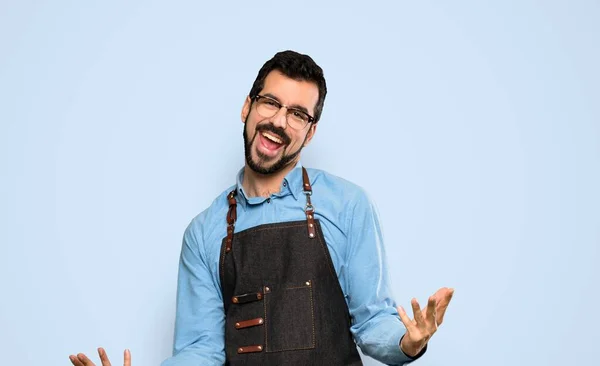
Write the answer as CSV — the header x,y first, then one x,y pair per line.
x,y
267,107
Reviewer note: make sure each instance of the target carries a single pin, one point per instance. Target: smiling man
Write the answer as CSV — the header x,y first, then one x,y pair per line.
x,y
287,266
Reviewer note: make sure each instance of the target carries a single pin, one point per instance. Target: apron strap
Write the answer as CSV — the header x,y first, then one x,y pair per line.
x,y
231,217
309,210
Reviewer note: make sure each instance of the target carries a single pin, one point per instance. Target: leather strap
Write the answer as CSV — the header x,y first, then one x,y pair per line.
x,y
231,217
249,323
245,298
309,210
249,349
305,181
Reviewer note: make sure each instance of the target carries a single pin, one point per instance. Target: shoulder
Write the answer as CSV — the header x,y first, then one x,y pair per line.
x,y
327,183
206,223
342,202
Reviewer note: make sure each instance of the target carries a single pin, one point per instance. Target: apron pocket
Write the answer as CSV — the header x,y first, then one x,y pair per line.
x,y
289,317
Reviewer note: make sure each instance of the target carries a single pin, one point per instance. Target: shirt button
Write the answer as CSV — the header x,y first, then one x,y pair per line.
x,y
285,184
268,200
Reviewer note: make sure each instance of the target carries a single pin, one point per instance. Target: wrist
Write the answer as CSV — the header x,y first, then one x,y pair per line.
x,y
411,349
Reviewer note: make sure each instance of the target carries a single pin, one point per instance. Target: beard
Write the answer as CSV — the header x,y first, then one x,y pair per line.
x,y
261,166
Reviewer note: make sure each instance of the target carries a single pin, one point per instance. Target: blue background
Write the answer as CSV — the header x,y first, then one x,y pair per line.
x,y
474,125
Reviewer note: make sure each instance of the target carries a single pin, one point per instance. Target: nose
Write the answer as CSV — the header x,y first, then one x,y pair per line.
x,y
280,118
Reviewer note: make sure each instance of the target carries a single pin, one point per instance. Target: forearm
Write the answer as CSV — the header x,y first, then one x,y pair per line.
x,y
377,327
380,339
199,319
197,354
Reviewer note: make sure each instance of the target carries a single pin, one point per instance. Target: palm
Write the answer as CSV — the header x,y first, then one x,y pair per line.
x,y
426,321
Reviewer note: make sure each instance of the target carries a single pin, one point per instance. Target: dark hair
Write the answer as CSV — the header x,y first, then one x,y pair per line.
x,y
295,66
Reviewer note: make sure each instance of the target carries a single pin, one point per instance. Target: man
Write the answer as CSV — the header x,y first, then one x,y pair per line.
x,y
287,266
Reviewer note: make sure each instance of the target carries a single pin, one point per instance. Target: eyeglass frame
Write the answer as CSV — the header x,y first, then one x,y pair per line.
x,y
255,98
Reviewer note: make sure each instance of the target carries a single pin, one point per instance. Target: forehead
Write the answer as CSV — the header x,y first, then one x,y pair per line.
x,y
291,92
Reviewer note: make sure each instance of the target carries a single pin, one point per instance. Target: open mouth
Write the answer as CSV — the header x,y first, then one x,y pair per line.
x,y
270,143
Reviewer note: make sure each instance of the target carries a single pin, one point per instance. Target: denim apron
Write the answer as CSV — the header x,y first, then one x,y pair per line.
x,y
282,299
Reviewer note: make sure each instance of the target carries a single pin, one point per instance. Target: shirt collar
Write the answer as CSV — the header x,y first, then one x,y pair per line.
x,y
293,180
292,184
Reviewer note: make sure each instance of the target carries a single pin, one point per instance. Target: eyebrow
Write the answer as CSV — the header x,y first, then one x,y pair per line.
x,y
294,106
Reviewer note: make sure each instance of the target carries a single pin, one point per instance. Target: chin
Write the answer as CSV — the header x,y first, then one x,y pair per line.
x,y
263,168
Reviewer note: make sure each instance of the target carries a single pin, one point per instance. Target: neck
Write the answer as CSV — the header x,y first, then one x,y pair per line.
x,y
263,185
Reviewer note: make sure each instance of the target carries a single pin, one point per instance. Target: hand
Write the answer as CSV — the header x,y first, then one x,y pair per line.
x,y
82,360
422,328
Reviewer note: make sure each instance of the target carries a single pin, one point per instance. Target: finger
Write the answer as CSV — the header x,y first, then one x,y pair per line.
x,y
408,324
417,312
103,357
75,361
443,305
84,360
127,361
445,297
430,312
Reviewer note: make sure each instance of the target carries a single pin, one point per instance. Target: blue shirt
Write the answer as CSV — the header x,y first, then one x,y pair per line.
x,y
351,229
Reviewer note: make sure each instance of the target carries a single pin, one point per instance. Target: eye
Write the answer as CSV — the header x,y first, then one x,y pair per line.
x,y
302,115
299,116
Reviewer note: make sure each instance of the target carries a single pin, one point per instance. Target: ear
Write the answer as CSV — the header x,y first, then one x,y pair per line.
x,y
246,109
311,133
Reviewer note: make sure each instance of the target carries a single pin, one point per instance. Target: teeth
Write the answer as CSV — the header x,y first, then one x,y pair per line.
x,y
272,138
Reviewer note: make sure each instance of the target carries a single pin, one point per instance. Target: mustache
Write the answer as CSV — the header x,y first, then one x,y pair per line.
x,y
277,131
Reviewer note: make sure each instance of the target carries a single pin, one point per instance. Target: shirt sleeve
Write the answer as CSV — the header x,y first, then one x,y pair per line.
x,y
376,325
200,318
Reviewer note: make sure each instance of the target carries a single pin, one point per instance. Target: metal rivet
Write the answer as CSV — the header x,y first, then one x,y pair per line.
x,y
259,348
237,325
310,225
260,321
310,216
240,350
307,283
267,289
311,235
235,300
259,296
